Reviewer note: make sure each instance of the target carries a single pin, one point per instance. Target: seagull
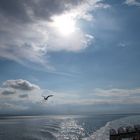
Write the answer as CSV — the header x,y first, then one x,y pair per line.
x,y
46,97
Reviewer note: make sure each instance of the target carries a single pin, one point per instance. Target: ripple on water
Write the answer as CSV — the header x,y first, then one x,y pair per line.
x,y
47,135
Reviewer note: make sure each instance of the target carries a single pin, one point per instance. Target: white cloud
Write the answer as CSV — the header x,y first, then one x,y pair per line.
x,y
75,43
20,84
99,96
20,90
123,44
84,10
116,92
118,96
132,2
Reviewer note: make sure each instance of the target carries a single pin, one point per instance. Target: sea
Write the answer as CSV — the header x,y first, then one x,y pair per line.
x,y
63,127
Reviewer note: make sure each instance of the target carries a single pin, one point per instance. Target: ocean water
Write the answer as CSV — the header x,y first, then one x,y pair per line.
x,y
76,127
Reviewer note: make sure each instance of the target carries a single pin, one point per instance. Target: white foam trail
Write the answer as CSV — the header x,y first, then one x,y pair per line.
x,y
103,132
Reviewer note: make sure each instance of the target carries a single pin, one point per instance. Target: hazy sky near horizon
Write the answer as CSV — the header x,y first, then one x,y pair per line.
x,y
84,52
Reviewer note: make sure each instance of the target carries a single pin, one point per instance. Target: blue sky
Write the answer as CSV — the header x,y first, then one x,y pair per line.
x,y
86,53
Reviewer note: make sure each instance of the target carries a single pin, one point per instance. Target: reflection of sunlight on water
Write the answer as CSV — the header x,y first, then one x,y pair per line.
x,y
70,130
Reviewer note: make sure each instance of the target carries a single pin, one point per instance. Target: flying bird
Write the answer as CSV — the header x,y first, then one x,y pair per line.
x,y
46,97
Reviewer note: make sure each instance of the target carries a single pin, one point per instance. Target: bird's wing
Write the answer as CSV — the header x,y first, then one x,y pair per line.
x,y
49,96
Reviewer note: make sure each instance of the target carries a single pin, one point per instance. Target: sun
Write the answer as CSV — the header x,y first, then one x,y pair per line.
x,y
65,24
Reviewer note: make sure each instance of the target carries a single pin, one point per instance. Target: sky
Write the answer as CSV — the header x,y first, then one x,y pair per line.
x,y
84,52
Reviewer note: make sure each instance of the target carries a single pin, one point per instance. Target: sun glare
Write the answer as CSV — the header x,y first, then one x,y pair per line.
x,y
65,24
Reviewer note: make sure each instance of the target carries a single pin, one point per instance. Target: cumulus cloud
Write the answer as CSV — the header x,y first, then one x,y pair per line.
x,y
8,92
19,94
20,84
132,2
26,34
20,90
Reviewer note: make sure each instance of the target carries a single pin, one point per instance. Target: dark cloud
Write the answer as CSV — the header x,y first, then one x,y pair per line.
x,y
15,9
24,9
47,8
20,84
8,92
23,96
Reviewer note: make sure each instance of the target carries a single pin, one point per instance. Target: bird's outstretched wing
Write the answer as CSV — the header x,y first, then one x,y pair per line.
x,y
46,97
49,96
